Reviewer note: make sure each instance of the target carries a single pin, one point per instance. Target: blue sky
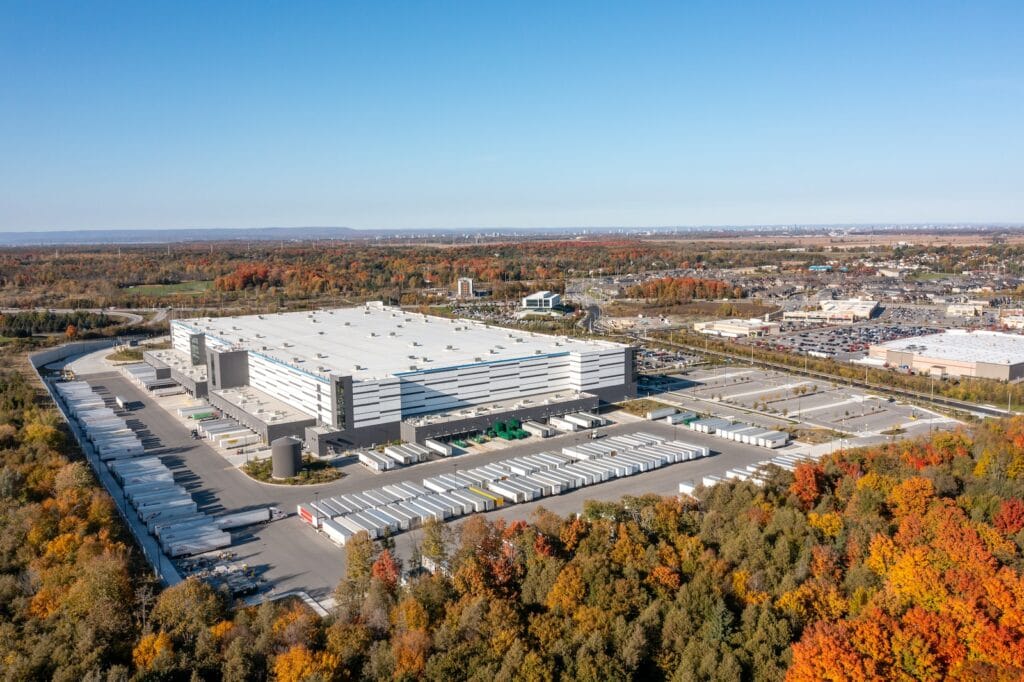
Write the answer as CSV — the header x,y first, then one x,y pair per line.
x,y
463,114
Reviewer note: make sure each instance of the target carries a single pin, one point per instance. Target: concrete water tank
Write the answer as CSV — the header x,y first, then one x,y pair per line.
x,y
286,457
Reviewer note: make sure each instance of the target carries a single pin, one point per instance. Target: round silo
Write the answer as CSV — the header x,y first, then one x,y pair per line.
x,y
286,457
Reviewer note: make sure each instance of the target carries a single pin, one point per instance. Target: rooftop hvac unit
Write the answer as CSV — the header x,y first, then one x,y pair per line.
x,y
321,355
392,333
412,367
346,323
356,368
538,351
372,334
264,347
477,359
286,344
449,347
321,332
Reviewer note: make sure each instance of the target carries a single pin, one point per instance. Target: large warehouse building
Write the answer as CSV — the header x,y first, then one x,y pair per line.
x,y
355,376
957,353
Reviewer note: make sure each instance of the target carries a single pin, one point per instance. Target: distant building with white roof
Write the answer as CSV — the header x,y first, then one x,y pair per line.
x,y
845,311
737,328
957,353
542,300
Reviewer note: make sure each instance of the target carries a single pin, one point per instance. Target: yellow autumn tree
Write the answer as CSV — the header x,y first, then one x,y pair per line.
x,y
152,651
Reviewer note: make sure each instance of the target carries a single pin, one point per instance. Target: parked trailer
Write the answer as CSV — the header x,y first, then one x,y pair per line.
x,y
537,429
241,519
141,497
563,424
375,462
443,449
507,492
184,533
159,529
335,532
306,513
201,545
477,502
174,516
681,418
356,525
583,420
660,413
146,515
399,454
418,450
400,492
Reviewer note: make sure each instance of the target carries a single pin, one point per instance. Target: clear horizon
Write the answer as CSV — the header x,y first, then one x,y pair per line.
x,y
459,116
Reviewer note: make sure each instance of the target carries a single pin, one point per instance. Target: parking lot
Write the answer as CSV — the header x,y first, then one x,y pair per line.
x,y
842,343
778,400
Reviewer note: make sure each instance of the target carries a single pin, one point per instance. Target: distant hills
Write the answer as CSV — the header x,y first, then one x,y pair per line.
x,y
199,234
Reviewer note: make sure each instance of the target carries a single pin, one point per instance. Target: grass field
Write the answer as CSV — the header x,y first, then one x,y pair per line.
x,y
929,276
126,355
170,289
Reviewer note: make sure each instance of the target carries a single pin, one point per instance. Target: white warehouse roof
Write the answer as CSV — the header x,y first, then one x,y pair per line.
x,y
965,346
377,341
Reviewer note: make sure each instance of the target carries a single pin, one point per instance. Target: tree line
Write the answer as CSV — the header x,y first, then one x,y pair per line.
x,y
669,290
27,323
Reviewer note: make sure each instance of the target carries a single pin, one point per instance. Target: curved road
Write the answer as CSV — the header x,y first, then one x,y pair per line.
x,y
130,317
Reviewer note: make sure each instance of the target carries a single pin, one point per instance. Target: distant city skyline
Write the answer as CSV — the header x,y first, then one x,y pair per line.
x,y
511,116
